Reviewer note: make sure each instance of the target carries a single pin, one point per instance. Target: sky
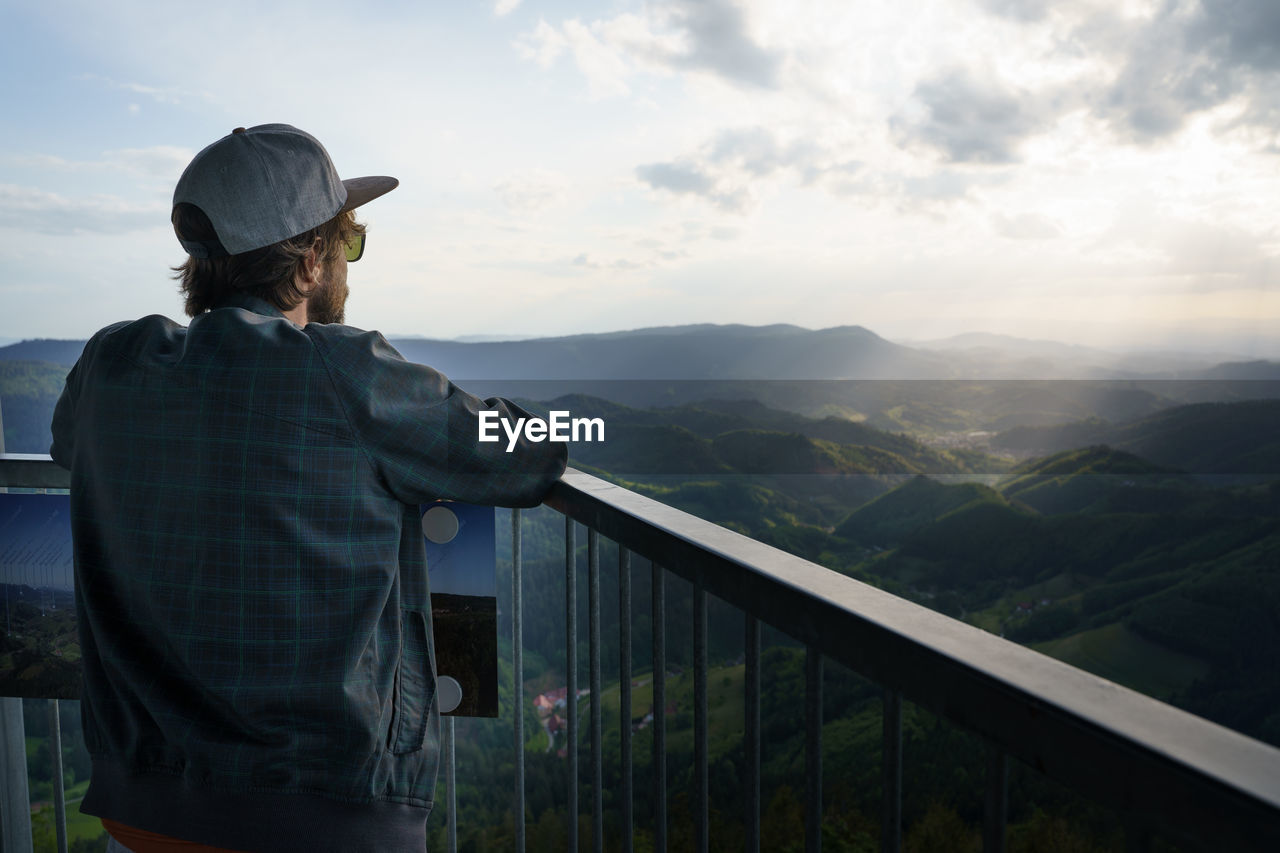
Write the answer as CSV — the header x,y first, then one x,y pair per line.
x,y
1101,172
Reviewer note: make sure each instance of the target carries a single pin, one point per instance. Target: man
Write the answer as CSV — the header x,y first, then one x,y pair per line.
x,y
252,593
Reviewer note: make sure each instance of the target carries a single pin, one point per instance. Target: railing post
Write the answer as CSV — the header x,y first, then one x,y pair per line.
x,y
15,804
997,800
751,735
891,773
659,709
624,700
597,729
517,666
813,750
55,759
571,672
701,795
451,776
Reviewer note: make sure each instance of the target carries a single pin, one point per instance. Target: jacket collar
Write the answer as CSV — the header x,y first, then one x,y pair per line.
x,y
243,300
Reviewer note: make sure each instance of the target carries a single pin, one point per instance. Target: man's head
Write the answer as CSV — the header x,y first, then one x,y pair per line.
x,y
263,211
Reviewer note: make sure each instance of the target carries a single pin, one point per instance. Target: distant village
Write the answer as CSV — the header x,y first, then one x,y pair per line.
x,y
552,710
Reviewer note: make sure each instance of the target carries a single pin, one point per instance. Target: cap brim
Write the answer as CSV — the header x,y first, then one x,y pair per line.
x,y
363,190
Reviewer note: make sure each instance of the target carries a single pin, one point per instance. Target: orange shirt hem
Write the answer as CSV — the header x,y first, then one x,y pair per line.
x,y
142,841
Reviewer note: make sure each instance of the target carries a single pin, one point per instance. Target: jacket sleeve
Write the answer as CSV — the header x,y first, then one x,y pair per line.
x,y
63,425
422,433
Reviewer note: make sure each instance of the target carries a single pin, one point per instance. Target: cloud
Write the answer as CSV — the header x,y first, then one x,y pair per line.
x,y
532,191
689,178
718,40
603,66
679,35
543,45
172,95
729,169
1217,256
1239,32
1148,73
1243,37
946,185
974,119
160,161
1020,10
758,152
505,7
44,212
676,177
1184,58
586,261
1205,255
605,70
755,150
1165,76
164,162
1025,226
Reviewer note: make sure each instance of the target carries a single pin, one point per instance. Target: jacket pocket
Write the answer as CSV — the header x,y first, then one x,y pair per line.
x,y
415,685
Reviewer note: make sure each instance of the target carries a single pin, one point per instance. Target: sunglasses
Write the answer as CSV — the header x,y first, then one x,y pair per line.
x,y
355,248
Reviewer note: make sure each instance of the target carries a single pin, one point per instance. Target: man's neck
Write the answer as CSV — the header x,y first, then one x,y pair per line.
x,y
297,314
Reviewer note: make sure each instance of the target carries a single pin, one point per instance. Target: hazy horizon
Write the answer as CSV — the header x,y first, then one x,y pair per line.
x,y
1084,172
1256,348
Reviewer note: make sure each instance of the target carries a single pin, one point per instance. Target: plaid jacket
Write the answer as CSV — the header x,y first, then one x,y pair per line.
x,y
252,592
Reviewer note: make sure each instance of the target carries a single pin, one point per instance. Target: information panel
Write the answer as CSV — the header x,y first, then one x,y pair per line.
x,y
40,649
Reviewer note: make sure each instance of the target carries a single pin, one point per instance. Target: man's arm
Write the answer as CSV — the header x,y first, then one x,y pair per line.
x,y
63,425
64,420
421,432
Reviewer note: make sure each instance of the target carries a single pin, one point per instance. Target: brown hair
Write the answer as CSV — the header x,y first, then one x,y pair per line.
x,y
268,273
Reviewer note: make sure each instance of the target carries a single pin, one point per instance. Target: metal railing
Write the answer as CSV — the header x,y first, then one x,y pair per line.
x,y
1196,782
1193,781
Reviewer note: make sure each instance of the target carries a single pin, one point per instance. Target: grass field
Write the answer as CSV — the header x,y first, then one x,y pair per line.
x,y
78,825
724,706
1059,588
1116,653
81,825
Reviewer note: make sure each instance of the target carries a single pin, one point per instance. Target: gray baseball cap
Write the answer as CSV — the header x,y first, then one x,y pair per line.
x,y
265,184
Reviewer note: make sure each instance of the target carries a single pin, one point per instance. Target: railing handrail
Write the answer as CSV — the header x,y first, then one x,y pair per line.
x,y
1158,764
32,471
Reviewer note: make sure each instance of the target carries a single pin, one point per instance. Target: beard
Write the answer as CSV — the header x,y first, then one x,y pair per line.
x,y
328,302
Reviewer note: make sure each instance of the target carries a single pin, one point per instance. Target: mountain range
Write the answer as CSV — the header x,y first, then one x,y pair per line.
x,y
780,351
951,390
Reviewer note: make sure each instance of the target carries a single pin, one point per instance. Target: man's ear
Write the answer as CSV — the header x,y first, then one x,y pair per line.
x,y
309,272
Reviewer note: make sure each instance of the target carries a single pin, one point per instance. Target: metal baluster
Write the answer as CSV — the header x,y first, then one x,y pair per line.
x,y
891,773
624,700
450,773
997,801
751,735
59,793
571,672
597,746
813,750
659,709
15,805
701,796
517,665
